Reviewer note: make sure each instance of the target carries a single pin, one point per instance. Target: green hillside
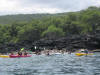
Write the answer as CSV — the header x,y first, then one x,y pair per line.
x,y
8,19
14,28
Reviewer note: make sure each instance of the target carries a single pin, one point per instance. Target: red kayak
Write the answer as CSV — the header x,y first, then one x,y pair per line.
x,y
18,56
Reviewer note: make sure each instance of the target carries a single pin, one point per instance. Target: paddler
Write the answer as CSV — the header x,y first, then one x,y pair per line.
x,y
25,53
48,53
12,53
20,53
86,51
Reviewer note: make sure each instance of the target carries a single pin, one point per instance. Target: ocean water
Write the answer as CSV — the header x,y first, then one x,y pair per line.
x,y
60,64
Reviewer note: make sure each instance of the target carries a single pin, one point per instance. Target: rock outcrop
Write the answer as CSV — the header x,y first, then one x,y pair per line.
x,y
87,41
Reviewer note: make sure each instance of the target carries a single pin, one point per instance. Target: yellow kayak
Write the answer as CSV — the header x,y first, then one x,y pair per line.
x,y
81,54
4,56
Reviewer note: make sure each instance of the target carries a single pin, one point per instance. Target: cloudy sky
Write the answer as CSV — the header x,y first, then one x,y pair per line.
x,y
44,6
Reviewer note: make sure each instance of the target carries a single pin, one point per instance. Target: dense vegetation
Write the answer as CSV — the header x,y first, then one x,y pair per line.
x,y
32,27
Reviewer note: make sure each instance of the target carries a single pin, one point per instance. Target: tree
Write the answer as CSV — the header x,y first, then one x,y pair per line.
x,y
53,32
92,19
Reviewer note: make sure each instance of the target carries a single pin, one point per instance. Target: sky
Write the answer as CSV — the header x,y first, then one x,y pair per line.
x,y
8,7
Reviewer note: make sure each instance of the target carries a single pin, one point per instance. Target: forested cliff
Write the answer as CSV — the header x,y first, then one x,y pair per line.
x,y
25,29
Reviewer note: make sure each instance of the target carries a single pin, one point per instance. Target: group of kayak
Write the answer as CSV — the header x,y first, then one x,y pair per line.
x,y
25,54
19,54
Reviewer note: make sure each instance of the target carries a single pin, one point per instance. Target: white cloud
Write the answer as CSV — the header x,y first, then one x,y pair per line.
x,y
44,6
7,5
96,2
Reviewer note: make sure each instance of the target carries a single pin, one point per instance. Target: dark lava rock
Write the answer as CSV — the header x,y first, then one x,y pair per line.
x,y
87,41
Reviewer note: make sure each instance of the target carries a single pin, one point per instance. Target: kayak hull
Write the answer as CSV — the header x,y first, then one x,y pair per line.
x,y
82,54
4,56
18,56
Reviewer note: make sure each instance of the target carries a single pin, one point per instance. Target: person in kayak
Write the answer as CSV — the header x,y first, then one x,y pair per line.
x,y
48,53
25,53
20,53
12,53
86,51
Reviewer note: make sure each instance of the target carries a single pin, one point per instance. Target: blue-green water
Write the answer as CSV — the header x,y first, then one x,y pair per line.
x,y
51,65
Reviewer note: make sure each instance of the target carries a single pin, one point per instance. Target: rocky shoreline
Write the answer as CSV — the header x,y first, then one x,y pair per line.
x,y
90,41
87,41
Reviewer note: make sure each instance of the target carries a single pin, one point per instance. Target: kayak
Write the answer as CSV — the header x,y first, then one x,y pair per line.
x,y
82,54
18,56
4,56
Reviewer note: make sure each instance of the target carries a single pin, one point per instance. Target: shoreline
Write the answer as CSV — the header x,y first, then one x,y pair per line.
x,y
51,52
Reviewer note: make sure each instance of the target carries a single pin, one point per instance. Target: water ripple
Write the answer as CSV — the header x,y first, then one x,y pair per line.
x,y
67,64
